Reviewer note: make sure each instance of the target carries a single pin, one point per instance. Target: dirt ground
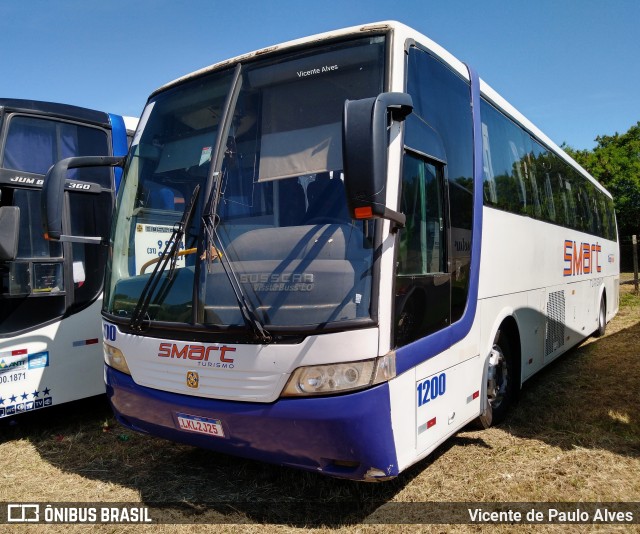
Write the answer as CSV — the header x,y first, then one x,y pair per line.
x,y
574,437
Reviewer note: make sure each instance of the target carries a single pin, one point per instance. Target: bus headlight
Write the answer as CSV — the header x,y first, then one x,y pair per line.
x,y
113,357
340,377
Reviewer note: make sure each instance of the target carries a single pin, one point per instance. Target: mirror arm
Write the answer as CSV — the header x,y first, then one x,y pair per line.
x,y
9,232
397,218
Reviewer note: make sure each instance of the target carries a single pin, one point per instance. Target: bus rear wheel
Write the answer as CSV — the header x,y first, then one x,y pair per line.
x,y
500,382
602,318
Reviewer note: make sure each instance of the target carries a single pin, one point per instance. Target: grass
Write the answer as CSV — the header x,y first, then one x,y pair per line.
x,y
575,436
629,299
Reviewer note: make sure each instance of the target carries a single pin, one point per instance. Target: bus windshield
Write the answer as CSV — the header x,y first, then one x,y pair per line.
x,y
285,240
33,144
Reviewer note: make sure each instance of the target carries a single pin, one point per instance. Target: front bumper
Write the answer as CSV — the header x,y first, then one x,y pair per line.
x,y
348,436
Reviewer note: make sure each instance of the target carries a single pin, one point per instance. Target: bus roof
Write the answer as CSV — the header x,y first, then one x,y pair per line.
x,y
58,110
381,27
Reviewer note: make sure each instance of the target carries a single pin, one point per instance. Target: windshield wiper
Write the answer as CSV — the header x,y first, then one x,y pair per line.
x,y
169,256
214,246
210,217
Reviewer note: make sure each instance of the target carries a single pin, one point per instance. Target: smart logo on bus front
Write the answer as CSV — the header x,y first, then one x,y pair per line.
x,y
199,353
581,258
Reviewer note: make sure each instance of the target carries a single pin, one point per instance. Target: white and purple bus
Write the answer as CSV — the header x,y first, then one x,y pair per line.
x,y
50,292
335,253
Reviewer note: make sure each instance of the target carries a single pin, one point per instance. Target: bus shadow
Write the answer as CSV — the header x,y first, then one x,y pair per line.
x,y
586,398
180,483
57,422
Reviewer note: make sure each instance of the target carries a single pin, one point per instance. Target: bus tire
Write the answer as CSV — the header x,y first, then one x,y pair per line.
x,y
602,318
501,382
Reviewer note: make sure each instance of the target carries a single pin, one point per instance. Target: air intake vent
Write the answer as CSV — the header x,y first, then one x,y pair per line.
x,y
554,335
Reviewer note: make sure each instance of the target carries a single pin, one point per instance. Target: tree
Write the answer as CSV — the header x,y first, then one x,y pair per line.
x,y
615,163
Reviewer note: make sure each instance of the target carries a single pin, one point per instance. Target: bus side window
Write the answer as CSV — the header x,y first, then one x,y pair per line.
x,y
422,240
550,211
541,165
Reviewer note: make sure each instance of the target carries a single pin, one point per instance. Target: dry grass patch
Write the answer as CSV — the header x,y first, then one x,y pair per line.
x,y
575,436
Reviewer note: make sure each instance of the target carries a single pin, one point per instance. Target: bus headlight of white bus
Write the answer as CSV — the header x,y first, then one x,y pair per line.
x,y
340,377
113,357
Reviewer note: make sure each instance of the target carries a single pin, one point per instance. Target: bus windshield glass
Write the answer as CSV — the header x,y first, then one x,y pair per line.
x,y
45,278
285,242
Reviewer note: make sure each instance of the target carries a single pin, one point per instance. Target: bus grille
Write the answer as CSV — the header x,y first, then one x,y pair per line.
x,y
554,338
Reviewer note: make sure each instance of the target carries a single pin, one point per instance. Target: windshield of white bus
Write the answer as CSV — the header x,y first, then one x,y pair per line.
x,y
284,229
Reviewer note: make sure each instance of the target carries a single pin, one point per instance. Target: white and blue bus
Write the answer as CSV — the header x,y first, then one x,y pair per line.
x,y
50,350
335,253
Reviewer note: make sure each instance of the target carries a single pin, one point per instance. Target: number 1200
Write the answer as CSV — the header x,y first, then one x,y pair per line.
x,y
431,388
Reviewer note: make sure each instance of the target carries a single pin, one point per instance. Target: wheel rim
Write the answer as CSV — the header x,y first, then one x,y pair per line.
x,y
601,317
498,377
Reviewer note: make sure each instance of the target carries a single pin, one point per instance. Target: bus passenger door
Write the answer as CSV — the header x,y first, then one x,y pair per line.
x,y
423,283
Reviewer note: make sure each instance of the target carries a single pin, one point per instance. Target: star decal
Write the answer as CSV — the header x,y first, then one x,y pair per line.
x,y
36,394
2,400
46,391
13,398
24,396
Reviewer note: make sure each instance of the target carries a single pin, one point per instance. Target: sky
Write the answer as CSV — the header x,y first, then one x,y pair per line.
x,y
572,67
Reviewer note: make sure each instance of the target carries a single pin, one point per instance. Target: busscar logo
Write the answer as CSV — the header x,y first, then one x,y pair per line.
x,y
278,282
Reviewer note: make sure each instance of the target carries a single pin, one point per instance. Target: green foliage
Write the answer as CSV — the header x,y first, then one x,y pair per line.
x,y
615,163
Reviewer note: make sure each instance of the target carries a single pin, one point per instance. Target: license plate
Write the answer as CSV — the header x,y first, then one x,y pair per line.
x,y
201,425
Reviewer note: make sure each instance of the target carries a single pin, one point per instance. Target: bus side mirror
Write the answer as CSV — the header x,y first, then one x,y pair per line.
x,y
364,151
53,195
9,231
